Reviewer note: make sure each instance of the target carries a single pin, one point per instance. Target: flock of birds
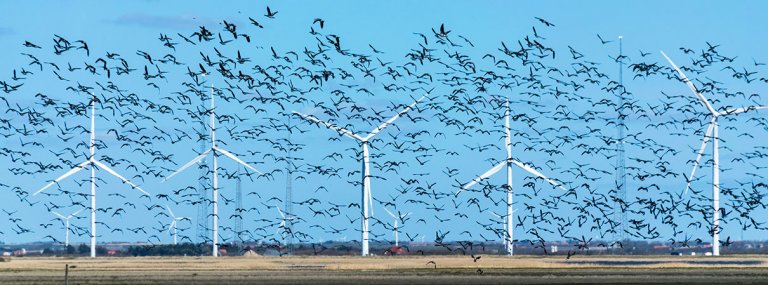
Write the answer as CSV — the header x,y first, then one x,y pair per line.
x,y
563,103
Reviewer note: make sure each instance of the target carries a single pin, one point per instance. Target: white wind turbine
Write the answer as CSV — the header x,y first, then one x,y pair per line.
x,y
66,221
93,163
283,219
503,221
216,152
395,231
712,132
366,191
508,162
174,224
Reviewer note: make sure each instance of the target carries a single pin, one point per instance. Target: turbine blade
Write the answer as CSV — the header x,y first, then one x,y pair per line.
x,y
342,131
105,167
704,142
190,163
536,173
385,124
281,226
170,212
279,211
233,157
75,213
688,82
742,110
65,175
57,214
390,213
485,175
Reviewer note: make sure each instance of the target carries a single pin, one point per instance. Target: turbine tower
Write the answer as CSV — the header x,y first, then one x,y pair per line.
x,y
93,163
289,167
508,162
367,200
216,150
66,221
239,207
712,132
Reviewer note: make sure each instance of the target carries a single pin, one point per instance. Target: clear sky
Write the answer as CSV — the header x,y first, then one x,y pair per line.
x,y
127,26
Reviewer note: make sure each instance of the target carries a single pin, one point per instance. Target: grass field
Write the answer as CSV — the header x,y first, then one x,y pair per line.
x,y
378,270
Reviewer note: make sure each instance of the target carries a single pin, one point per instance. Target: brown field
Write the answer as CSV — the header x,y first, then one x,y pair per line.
x,y
379,270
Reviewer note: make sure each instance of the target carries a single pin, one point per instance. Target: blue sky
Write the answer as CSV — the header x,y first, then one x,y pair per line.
x,y
125,27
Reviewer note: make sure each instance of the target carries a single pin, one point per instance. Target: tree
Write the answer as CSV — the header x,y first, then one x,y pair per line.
x,y
83,249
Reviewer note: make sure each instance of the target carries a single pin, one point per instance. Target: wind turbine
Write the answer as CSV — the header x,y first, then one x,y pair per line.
x,y
66,221
93,163
712,132
395,229
503,220
174,224
367,200
508,163
216,150
283,219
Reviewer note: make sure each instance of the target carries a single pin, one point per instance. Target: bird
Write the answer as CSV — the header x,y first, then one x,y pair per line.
x,y
270,14
318,20
545,22
603,41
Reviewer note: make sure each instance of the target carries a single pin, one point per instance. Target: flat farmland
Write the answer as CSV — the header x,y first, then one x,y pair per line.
x,y
385,270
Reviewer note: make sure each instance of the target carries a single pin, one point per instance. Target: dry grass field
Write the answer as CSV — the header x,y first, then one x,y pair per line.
x,y
380,270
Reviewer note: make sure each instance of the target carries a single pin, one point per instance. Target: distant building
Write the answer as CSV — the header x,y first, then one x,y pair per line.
x,y
20,252
396,250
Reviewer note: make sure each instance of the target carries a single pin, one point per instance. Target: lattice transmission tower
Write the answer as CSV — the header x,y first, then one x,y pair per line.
x,y
201,231
620,214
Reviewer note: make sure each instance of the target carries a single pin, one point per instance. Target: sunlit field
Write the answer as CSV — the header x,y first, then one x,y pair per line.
x,y
372,270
